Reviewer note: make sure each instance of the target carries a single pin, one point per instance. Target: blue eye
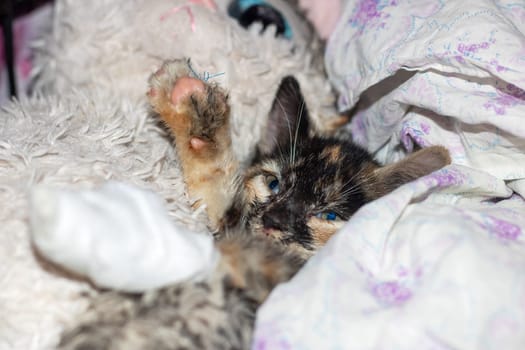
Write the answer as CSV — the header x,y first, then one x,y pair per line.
x,y
328,215
273,183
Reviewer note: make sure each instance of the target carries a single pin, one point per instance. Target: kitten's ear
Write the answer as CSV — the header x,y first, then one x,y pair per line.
x,y
288,118
414,166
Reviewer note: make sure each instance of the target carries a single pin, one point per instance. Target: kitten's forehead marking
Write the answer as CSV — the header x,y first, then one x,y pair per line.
x,y
332,154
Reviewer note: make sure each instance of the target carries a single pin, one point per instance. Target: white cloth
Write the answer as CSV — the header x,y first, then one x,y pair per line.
x,y
119,236
439,263
444,273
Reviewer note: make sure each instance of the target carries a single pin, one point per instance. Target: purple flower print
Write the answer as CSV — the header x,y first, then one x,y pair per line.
x,y
444,178
415,132
471,50
403,272
502,229
366,11
425,128
509,96
270,343
468,50
460,59
499,68
369,12
391,293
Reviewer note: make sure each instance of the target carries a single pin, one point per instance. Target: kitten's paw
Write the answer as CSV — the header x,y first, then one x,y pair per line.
x,y
197,115
194,110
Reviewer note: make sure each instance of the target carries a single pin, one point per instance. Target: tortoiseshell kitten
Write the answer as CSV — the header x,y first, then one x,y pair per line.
x,y
268,218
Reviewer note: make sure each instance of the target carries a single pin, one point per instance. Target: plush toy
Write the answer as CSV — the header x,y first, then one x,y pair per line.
x,y
119,44
88,122
323,15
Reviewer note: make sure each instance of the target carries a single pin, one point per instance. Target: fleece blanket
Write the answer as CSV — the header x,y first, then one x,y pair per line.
x,y
439,263
88,122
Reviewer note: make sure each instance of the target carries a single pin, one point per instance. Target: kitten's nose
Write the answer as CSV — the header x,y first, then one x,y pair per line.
x,y
275,219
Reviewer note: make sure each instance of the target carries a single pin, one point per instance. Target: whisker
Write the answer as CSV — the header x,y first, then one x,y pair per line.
x,y
357,186
289,127
354,176
300,116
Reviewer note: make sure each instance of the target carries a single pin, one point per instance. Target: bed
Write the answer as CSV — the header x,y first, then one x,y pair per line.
x,y
437,264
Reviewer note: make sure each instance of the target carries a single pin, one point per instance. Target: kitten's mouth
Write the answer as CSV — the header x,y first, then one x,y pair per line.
x,y
276,235
271,233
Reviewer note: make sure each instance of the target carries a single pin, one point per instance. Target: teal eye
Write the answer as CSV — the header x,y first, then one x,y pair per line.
x,y
328,215
273,183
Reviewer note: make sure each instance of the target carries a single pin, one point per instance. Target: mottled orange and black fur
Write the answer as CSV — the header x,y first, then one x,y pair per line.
x,y
268,218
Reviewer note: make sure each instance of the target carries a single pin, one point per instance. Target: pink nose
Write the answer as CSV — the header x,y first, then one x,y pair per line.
x,y
270,232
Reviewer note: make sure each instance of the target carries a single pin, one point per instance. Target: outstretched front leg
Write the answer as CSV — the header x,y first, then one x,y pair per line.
x,y
197,114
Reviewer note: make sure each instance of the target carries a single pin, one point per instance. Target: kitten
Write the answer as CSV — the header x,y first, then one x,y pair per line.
x,y
268,218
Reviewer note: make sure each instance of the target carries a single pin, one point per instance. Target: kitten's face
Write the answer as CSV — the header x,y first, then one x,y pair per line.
x,y
302,187
302,200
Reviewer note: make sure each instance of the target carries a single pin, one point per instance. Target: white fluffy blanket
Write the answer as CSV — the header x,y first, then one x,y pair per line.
x,y
440,263
89,123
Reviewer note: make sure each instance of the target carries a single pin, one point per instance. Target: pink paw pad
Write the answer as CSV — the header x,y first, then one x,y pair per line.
x,y
197,144
184,87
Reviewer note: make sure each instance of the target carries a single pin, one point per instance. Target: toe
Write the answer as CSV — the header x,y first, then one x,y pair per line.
x,y
184,87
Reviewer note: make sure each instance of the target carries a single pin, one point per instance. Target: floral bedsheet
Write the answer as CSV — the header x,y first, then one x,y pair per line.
x,y
440,262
